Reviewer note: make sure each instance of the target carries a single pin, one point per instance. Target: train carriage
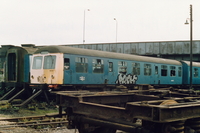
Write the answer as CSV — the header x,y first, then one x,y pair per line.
x,y
15,70
18,63
3,51
195,72
62,65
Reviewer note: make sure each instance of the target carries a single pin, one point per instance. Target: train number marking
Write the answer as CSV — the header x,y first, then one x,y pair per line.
x,y
126,79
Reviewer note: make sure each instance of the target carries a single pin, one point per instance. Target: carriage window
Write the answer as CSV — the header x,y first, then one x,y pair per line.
x,y
81,65
110,67
98,66
172,71
163,70
196,73
49,62
66,63
179,71
136,68
156,70
147,69
122,66
37,62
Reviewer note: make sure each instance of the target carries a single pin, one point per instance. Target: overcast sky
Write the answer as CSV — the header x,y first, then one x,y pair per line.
x,y
51,22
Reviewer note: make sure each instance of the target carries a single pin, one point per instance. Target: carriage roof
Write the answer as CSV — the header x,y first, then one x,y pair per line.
x,y
103,54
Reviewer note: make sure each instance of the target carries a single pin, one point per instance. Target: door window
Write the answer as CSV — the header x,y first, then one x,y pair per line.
x,y
196,73
98,66
136,68
163,70
66,63
172,71
110,67
147,69
122,67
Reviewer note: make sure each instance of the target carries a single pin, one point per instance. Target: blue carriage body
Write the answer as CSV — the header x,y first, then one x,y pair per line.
x,y
83,66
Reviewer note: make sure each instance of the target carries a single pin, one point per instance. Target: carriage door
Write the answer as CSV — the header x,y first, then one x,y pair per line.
x,y
156,79
67,71
111,74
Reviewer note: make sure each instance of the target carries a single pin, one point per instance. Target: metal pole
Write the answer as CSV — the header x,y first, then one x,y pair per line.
x,y
84,27
191,56
116,28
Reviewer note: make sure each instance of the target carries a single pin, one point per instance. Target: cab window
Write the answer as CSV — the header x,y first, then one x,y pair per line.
x,y
49,62
37,62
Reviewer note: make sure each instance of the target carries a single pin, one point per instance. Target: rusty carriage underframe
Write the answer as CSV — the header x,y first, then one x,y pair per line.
x,y
135,111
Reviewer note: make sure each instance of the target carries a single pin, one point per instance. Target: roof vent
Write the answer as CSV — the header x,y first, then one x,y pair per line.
x,y
28,45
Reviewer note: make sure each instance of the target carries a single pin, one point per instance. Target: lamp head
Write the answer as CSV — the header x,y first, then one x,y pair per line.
x,y
186,22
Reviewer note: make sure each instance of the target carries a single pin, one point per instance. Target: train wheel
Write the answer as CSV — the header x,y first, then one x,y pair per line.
x,y
86,128
194,124
173,127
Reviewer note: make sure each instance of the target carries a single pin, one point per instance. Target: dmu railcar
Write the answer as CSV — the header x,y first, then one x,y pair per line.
x,y
61,65
15,67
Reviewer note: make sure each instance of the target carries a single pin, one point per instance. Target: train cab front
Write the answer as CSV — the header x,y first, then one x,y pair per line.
x,y
47,68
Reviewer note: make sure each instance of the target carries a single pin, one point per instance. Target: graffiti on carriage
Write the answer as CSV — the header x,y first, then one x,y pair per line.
x,y
126,79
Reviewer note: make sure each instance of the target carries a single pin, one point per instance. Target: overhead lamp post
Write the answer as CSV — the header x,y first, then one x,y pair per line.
x,y
84,25
116,28
191,56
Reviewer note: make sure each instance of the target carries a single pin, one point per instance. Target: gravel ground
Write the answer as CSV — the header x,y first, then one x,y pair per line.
x,y
30,130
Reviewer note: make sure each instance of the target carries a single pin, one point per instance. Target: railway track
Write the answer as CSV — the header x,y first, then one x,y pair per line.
x,y
36,122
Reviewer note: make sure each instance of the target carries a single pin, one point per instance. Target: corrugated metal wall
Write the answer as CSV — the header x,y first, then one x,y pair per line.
x,y
168,49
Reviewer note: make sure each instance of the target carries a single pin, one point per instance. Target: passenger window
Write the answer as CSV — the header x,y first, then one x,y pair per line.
x,y
196,73
110,67
147,69
136,68
122,66
66,63
179,71
37,62
163,70
81,65
98,66
172,71
49,62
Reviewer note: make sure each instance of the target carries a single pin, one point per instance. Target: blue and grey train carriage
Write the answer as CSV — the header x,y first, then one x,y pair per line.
x,y
195,73
62,65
